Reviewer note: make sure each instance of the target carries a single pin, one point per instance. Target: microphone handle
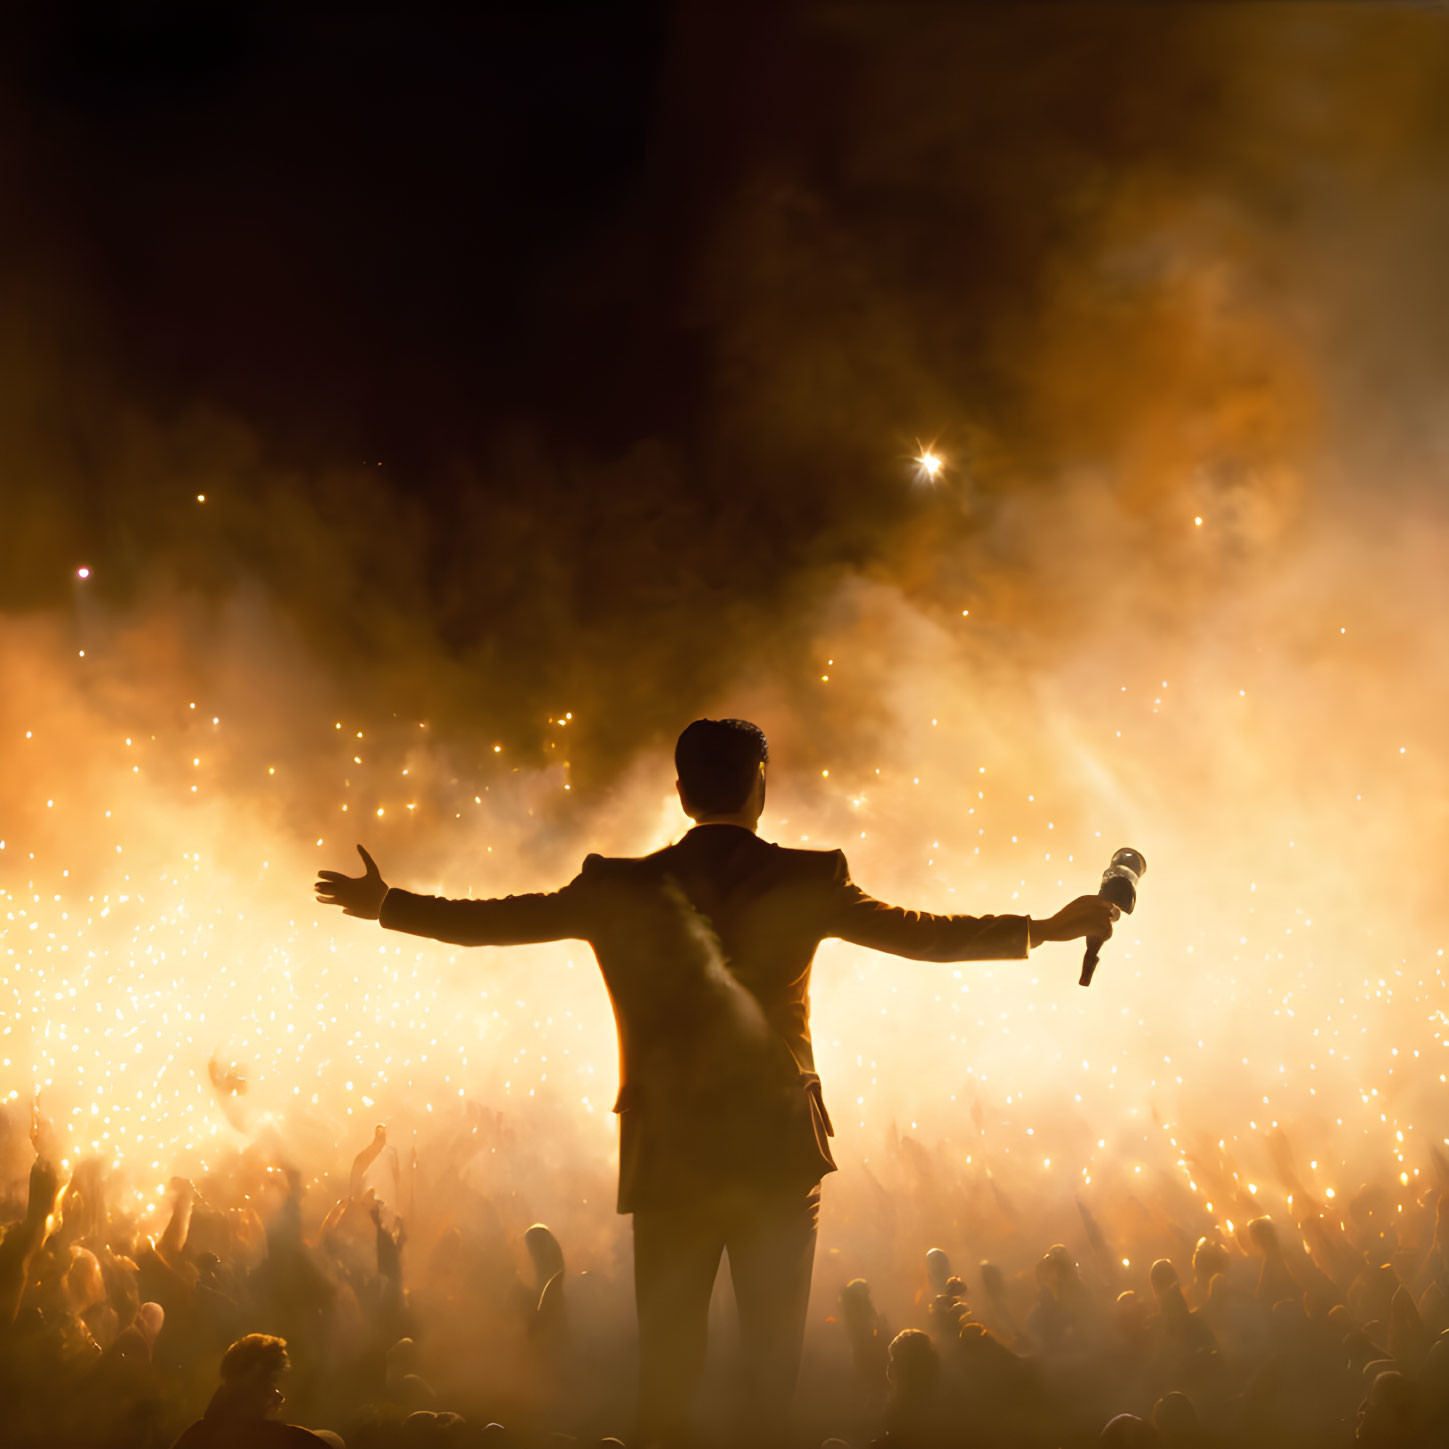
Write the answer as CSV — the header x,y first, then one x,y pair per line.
x,y
1089,962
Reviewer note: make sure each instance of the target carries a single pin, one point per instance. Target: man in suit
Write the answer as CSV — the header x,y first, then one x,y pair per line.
x,y
706,948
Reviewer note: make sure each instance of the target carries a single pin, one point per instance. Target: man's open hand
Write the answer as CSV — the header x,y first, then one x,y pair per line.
x,y
358,895
1087,916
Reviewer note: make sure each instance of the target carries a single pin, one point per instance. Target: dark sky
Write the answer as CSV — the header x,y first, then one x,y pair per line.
x,y
642,310
397,235
379,234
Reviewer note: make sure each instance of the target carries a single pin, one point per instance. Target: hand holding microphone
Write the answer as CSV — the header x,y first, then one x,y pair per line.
x,y
1092,916
1087,916
1119,888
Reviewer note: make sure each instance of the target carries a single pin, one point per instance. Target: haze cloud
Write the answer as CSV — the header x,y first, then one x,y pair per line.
x,y
1125,268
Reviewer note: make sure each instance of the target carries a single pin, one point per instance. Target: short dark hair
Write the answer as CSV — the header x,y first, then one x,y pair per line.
x,y
257,1358
717,761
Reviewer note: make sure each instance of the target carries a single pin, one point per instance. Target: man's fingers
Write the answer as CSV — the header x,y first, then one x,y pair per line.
x,y
369,862
331,875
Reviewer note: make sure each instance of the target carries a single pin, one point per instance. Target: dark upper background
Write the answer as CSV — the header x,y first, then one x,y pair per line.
x,y
640,309
360,232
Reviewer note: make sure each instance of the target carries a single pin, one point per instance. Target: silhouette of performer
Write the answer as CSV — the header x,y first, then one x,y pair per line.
x,y
705,948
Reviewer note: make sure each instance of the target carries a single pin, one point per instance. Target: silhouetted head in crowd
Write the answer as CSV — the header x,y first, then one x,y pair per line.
x,y
1056,1271
865,1331
1389,1415
425,1427
135,1342
1165,1285
1264,1237
252,1370
1127,1431
1175,1418
856,1307
721,767
545,1253
1360,1350
913,1370
1208,1260
405,1385
1129,1314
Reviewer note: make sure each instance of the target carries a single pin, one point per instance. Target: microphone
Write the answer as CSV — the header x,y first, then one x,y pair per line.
x,y
1119,885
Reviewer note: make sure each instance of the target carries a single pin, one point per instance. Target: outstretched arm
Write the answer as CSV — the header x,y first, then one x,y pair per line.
x,y
921,936
506,921
365,1159
20,1243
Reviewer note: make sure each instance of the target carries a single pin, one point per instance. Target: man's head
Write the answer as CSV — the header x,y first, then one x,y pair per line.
x,y
913,1367
251,1373
1389,1415
721,766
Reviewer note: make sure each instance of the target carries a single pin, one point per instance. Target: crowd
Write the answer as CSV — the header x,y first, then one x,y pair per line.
x,y
431,1317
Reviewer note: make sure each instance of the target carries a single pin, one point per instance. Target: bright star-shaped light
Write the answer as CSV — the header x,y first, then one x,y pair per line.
x,y
928,462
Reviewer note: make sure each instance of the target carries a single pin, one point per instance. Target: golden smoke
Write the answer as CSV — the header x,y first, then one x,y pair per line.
x,y
1177,582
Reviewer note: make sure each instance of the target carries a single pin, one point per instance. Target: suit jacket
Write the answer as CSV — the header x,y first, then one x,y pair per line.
x,y
706,948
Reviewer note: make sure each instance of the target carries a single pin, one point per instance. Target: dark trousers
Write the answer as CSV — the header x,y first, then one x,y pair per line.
x,y
770,1239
